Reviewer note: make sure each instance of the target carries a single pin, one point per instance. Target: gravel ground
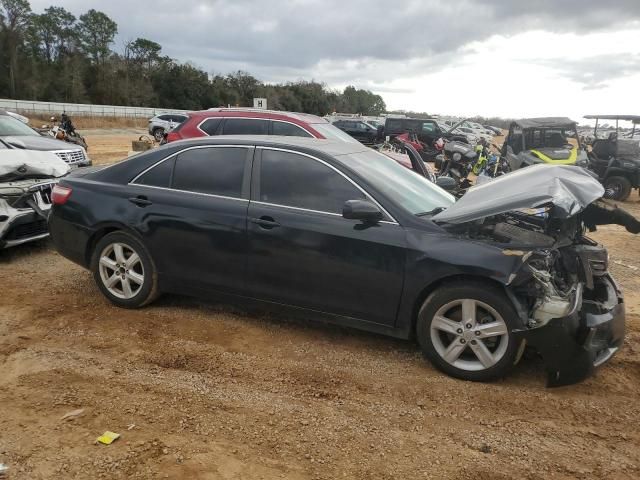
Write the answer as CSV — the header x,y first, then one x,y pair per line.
x,y
199,390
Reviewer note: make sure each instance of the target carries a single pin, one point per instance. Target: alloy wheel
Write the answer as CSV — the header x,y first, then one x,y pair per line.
x,y
121,270
469,334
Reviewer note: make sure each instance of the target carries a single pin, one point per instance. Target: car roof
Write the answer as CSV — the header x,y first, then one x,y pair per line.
x,y
630,118
330,147
258,113
545,122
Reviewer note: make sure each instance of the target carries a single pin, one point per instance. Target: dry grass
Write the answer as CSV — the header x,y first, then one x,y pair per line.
x,y
89,122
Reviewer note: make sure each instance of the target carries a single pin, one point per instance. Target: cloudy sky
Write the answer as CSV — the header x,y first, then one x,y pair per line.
x,y
510,58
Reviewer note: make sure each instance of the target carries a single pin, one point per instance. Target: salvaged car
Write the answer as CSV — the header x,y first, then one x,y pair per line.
x,y
21,136
546,140
616,159
26,182
339,232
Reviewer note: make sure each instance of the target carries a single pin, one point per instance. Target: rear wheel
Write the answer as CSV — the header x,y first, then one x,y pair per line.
x,y
465,329
124,271
617,188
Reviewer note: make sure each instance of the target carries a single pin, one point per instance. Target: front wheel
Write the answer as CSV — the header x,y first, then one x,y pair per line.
x,y
465,330
124,271
158,134
617,188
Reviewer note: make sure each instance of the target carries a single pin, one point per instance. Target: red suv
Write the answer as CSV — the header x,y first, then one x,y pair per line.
x,y
248,121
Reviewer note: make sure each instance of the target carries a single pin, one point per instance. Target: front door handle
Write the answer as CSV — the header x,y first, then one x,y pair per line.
x,y
141,201
265,222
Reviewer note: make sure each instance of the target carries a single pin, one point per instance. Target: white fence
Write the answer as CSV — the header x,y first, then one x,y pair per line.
x,y
27,106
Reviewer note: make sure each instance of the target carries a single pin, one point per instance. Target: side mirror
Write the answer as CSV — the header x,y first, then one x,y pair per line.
x,y
446,183
363,210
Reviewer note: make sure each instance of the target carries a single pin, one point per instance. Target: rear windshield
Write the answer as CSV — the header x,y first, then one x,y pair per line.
x,y
330,132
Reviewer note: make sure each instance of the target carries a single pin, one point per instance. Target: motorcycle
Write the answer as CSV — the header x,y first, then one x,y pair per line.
x,y
65,131
427,152
457,162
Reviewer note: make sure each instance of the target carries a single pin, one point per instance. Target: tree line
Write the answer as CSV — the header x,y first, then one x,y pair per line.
x,y
54,56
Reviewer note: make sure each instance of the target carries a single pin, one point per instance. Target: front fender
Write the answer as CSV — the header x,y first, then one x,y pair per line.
x,y
434,257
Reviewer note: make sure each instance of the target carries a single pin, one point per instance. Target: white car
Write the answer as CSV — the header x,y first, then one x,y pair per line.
x,y
478,130
161,124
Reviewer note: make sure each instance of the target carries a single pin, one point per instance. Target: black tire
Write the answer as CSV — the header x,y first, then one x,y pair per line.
x,y
617,188
158,134
147,291
488,295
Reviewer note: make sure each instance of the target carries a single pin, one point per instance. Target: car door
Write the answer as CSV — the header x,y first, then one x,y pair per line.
x,y
191,210
302,251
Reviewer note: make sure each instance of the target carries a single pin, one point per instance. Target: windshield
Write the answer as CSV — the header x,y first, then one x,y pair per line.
x,y
330,132
10,126
410,190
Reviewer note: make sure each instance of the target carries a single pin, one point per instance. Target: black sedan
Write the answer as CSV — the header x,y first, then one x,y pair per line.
x,y
342,233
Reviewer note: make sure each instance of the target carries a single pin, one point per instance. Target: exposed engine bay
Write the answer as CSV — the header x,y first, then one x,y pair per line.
x,y
559,262
571,309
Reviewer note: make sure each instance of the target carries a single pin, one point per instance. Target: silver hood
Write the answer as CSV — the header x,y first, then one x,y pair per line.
x,y
19,164
568,188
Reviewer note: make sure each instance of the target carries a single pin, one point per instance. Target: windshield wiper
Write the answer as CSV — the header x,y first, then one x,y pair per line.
x,y
431,212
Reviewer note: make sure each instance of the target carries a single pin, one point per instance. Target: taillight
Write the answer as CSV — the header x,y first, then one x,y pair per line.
x,y
60,195
173,136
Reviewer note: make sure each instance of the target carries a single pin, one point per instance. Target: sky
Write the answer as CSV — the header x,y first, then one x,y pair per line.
x,y
507,58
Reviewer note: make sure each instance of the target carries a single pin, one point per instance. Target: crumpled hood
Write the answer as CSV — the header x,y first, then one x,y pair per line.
x,y
17,164
38,142
570,189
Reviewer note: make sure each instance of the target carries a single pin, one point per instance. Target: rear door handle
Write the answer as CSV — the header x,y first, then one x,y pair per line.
x,y
141,201
265,222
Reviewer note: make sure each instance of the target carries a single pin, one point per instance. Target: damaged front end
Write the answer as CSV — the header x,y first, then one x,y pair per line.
x,y
572,311
26,183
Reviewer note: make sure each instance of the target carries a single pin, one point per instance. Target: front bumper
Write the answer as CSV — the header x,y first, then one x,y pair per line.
x,y
572,347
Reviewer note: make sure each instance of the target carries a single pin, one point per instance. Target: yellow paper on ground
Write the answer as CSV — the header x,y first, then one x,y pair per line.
x,y
108,438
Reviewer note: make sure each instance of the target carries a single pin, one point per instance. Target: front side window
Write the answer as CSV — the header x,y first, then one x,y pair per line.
x,y
245,126
428,127
215,171
288,130
297,181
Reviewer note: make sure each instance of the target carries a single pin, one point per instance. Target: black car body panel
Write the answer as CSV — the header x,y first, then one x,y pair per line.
x,y
372,276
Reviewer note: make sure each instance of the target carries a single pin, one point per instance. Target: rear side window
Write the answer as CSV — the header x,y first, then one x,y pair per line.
x,y
159,175
298,181
288,130
210,125
245,126
215,171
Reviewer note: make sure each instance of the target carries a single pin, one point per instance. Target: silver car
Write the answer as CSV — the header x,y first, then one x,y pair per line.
x,y
27,178
161,124
21,136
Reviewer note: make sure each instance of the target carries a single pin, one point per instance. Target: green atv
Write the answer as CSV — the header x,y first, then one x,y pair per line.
x,y
548,140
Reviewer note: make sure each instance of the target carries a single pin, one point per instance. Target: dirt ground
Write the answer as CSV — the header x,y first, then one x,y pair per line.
x,y
204,391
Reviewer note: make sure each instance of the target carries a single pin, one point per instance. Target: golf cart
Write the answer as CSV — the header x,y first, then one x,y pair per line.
x,y
549,140
616,160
